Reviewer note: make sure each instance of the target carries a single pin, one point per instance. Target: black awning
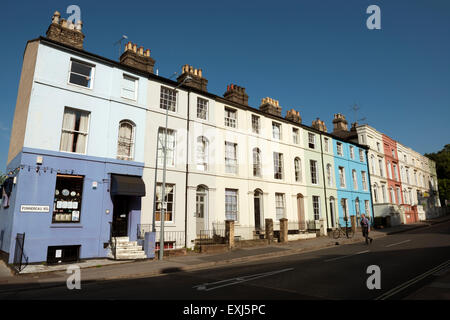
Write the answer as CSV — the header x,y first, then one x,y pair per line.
x,y
127,186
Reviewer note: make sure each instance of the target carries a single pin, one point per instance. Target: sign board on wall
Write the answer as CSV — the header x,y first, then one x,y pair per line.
x,y
32,208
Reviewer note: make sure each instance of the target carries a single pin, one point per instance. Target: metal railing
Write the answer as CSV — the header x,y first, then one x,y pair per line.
x,y
214,236
20,259
112,243
172,239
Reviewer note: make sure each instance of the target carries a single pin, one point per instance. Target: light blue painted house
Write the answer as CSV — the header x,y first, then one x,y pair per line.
x,y
352,181
76,153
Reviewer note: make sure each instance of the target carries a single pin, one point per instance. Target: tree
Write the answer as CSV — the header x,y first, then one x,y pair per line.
x,y
2,177
442,159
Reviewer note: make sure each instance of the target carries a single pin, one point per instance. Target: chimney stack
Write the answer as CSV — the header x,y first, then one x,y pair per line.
x,y
66,32
236,94
270,106
319,125
137,57
197,81
293,115
339,123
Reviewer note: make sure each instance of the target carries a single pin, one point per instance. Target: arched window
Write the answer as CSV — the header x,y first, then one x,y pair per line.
x,y
357,209
355,179
202,153
256,162
125,144
298,169
329,175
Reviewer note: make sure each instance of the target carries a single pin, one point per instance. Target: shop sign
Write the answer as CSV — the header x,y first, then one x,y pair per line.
x,y
32,208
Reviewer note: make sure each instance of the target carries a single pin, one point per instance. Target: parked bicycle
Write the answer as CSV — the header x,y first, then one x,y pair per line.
x,y
346,231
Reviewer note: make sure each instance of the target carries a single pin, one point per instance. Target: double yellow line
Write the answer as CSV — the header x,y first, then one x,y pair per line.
x,y
409,283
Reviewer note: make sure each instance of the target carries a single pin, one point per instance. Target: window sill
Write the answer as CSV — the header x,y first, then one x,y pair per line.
x,y
65,225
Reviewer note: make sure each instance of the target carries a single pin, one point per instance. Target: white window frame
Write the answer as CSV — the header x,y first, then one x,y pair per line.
x,y
136,82
278,168
203,103
339,149
231,164
79,132
298,169
311,140
228,120
276,125
355,179
314,172
295,135
202,160
280,206
133,140
92,76
173,93
161,146
316,200
342,181
233,213
256,129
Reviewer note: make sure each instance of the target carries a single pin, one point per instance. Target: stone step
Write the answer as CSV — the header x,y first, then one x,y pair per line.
x,y
125,244
133,256
129,250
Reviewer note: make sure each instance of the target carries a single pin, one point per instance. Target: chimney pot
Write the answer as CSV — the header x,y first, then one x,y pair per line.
x,y
55,18
200,73
141,50
135,48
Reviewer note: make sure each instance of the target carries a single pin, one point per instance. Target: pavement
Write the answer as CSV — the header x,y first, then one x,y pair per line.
x,y
104,269
409,263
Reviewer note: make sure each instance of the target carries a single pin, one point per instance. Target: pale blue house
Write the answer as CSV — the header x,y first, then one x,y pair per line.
x,y
352,180
76,153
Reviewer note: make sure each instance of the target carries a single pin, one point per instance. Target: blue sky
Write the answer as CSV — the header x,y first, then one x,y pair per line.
x,y
315,56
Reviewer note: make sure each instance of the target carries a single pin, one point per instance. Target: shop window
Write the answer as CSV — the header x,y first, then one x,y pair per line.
x,y
67,202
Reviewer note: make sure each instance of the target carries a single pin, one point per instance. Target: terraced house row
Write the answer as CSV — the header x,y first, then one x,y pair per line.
x,y
86,154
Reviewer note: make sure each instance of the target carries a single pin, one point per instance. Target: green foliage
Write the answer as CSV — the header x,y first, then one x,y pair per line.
x,y
442,159
2,177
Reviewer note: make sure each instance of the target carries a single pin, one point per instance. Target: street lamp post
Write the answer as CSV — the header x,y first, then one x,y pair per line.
x,y
163,191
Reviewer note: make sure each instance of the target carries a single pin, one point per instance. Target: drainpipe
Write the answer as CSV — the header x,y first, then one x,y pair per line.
x,y
324,181
187,174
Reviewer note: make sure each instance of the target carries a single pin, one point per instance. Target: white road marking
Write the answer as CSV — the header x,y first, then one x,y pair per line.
x,y
350,255
394,244
409,283
237,280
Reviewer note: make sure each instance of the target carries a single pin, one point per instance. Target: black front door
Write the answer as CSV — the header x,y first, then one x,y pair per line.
x,y
120,216
257,213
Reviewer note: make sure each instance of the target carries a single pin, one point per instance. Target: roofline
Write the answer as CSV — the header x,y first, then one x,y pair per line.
x,y
167,81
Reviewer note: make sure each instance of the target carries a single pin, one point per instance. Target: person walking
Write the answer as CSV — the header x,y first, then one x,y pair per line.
x,y
365,225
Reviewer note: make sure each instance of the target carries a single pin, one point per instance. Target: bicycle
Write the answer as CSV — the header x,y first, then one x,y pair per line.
x,y
343,231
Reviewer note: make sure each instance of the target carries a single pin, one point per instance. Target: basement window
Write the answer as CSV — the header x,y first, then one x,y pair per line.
x,y
59,254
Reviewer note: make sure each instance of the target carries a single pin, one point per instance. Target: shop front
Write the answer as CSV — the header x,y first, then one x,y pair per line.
x,y
67,206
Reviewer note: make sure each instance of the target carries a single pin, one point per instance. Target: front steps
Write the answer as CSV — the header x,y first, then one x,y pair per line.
x,y
126,249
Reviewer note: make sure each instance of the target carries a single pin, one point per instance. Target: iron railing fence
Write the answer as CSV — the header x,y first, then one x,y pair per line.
x,y
209,237
173,239
20,259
